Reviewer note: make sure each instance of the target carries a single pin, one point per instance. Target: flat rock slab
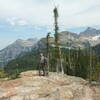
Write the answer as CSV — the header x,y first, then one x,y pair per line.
x,y
56,86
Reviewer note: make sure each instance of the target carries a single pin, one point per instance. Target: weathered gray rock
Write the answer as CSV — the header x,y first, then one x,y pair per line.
x,y
90,32
18,48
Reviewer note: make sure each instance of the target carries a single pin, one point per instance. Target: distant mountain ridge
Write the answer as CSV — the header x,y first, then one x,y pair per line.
x,y
15,49
90,36
69,39
89,32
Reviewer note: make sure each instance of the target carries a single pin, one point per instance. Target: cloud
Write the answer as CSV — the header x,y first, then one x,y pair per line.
x,y
15,21
28,18
73,13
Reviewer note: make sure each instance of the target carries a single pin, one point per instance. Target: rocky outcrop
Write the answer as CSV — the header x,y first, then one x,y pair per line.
x,y
90,32
30,86
91,35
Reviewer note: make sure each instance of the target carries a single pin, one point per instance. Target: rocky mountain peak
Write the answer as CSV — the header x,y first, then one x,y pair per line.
x,y
32,39
90,29
15,49
29,41
66,39
90,32
18,40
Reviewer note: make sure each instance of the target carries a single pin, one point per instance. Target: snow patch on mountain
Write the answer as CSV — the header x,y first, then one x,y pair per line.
x,y
95,38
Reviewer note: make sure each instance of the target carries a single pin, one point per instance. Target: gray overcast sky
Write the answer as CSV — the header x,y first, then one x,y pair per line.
x,y
39,12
